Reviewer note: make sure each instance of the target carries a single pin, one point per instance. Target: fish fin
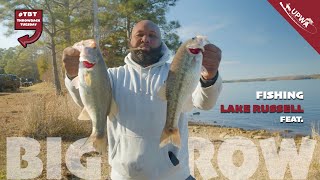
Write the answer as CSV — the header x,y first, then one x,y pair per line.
x,y
114,108
84,116
188,105
75,82
162,92
170,136
99,143
204,71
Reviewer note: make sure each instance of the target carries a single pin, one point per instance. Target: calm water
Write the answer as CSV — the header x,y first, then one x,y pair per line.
x,y
245,93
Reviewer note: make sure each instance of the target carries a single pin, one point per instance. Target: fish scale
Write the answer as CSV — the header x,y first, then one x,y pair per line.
x,y
176,99
95,92
183,77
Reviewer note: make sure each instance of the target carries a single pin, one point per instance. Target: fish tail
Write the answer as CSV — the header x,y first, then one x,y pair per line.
x,y
84,115
170,135
98,142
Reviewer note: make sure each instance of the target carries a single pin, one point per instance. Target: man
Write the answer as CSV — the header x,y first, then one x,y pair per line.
x,y
134,133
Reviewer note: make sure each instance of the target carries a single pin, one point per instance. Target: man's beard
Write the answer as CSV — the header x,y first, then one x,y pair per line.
x,y
146,58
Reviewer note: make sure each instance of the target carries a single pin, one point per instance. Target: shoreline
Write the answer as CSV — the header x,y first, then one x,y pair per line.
x,y
279,78
254,133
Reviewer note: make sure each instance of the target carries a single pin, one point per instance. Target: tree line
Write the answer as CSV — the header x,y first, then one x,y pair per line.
x,y
26,63
69,21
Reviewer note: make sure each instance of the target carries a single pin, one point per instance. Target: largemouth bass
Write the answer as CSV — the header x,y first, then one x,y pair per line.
x,y
183,77
95,92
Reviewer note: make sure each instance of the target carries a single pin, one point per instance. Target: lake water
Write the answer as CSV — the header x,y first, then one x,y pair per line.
x,y
245,93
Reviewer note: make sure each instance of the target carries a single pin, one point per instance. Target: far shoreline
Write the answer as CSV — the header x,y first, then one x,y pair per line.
x,y
279,78
253,133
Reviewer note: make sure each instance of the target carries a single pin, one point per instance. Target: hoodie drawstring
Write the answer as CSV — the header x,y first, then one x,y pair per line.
x,y
148,80
140,75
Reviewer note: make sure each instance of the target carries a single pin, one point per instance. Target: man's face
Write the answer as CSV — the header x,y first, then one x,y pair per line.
x,y
146,36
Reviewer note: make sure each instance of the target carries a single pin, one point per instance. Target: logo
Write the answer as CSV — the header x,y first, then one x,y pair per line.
x,y
303,16
304,23
26,19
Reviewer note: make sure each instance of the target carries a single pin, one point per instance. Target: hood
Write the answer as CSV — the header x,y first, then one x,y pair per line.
x,y
165,57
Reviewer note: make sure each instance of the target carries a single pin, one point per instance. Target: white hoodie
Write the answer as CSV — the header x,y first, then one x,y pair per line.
x,y
134,132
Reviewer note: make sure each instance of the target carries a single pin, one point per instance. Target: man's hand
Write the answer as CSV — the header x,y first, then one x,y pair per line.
x,y
211,61
70,60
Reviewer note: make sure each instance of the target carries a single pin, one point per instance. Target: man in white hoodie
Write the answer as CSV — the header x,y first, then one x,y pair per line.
x,y
134,133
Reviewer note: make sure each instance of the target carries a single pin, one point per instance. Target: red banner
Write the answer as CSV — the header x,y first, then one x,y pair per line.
x,y
304,16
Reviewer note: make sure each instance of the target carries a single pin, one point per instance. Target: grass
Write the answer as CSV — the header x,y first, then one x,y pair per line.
x,y
52,116
2,174
315,131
